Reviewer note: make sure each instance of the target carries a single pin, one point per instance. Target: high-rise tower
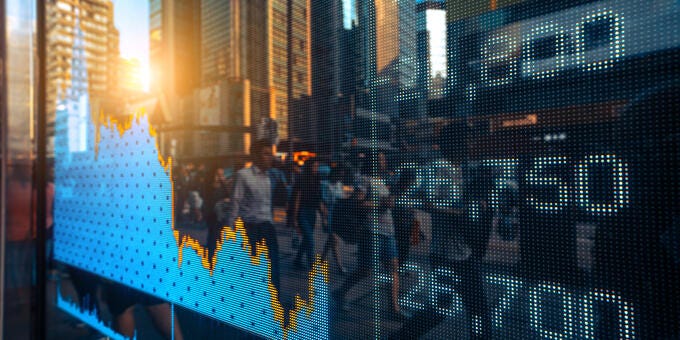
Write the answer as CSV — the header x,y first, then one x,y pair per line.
x,y
431,42
250,40
389,41
174,32
100,43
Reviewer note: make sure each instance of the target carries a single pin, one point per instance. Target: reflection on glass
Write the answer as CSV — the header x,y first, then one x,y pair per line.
x,y
361,169
18,136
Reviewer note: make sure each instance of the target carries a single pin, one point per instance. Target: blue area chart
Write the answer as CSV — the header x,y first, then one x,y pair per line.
x,y
90,317
114,218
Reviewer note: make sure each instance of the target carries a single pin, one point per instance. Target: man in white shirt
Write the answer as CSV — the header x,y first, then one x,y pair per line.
x,y
252,202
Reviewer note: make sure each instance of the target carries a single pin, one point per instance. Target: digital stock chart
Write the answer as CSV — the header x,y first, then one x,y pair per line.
x,y
115,215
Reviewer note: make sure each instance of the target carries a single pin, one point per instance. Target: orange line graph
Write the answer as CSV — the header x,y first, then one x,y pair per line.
x,y
227,234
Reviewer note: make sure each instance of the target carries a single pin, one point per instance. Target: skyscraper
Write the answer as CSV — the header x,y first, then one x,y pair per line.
x,y
234,47
431,42
282,64
389,30
100,42
385,83
250,40
322,124
216,28
76,101
174,32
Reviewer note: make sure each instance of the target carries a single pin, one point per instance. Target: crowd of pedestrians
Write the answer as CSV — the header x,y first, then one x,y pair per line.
x,y
352,204
355,202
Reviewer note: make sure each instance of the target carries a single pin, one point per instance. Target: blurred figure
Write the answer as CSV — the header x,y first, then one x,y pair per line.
x,y
251,201
357,159
333,192
307,199
192,213
353,229
379,227
19,235
382,222
476,232
216,207
405,225
383,166
181,182
200,175
220,193
293,173
280,187
460,244
122,301
461,227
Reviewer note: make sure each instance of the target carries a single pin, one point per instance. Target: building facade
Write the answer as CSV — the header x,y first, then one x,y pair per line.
x,y
385,85
289,61
431,45
100,43
174,46
250,40
323,119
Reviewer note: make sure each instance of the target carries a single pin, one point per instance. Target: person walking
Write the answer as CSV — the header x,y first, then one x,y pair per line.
x,y
461,227
333,192
307,200
406,226
374,204
251,201
382,225
353,229
220,191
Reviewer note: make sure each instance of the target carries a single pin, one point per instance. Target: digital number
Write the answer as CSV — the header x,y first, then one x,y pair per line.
x,y
508,168
626,316
429,284
437,181
545,51
620,184
422,281
599,40
437,289
442,281
499,64
583,181
536,311
536,176
411,196
441,186
440,183
510,292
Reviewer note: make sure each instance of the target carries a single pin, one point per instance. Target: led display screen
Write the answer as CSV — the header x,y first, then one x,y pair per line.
x,y
378,169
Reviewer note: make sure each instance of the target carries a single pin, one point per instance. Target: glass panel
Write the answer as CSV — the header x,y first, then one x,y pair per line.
x,y
19,134
366,169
